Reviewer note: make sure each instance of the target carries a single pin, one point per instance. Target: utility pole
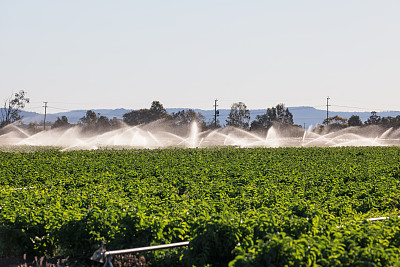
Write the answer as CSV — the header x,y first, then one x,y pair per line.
x,y
216,113
45,113
327,110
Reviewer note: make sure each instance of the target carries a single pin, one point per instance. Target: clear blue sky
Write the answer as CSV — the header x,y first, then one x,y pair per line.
x,y
124,54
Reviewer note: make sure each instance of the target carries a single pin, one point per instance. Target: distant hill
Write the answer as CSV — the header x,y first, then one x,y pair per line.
x,y
73,115
304,115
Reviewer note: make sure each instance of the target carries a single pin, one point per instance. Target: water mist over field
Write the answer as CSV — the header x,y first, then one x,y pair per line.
x,y
160,135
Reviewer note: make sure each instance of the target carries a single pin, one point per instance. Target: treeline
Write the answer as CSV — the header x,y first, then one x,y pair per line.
x,y
156,112
354,120
239,117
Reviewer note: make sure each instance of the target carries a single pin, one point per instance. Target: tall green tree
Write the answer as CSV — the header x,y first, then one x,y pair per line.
x,y
283,114
354,120
61,122
90,119
212,124
374,119
390,121
187,117
94,122
141,116
239,116
337,120
277,114
103,123
157,110
12,108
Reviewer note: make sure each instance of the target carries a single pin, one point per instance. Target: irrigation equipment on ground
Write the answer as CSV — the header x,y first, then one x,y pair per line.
x,y
101,255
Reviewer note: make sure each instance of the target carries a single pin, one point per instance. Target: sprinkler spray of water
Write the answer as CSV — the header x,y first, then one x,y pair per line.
x,y
157,135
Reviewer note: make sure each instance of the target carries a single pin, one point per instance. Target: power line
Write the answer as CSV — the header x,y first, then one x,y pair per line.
x,y
369,109
26,109
60,108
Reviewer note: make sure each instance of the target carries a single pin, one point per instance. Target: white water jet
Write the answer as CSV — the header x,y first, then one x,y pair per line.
x,y
386,133
272,140
194,134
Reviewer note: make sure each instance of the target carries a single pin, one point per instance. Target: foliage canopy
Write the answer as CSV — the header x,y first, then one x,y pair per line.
x,y
12,108
237,207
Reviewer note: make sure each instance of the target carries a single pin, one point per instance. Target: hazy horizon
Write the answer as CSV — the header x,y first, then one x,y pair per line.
x,y
321,108
304,116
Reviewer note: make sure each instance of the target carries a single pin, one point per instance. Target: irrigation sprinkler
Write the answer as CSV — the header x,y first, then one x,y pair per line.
x,y
371,220
378,219
101,255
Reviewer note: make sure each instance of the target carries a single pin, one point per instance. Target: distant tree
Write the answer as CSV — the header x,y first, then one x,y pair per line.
x,y
103,123
136,117
90,119
61,122
141,116
397,121
187,117
354,120
239,116
390,121
336,120
95,122
374,119
264,121
12,108
33,127
157,110
283,114
212,125
115,123
278,114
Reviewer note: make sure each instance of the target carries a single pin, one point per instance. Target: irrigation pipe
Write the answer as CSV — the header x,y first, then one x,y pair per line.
x,y
378,219
101,254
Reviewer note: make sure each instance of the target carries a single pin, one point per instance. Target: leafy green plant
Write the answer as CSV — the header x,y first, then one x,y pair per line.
x,y
243,207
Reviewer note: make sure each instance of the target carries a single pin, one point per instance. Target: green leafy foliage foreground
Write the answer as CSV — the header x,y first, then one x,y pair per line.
x,y
237,207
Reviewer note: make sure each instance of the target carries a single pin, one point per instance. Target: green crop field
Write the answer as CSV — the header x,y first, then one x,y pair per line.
x,y
237,207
